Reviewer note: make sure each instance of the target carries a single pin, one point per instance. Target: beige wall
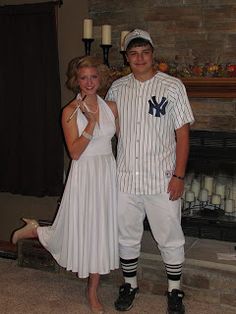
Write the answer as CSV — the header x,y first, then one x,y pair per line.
x,y
13,207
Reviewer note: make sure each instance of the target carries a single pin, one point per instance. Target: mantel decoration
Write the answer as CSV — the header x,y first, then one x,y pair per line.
x,y
208,70
197,70
196,86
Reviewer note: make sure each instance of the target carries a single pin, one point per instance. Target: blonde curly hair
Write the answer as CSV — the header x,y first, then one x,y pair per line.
x,y
86,61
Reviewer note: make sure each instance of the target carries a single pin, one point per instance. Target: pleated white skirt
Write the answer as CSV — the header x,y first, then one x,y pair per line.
x,y
84,235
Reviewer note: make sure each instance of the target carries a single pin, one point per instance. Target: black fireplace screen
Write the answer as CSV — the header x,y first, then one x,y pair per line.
x,y
211,152
212,156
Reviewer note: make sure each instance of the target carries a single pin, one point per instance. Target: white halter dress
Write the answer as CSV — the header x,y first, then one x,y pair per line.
x,y
84,234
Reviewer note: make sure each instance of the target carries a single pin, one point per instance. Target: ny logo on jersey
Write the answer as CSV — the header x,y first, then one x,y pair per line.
x,y
156,109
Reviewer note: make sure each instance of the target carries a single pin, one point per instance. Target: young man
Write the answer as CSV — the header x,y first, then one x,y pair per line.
x,y
153,146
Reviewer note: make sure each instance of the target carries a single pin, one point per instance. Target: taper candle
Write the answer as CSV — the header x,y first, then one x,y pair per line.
x,y
106,34
88,29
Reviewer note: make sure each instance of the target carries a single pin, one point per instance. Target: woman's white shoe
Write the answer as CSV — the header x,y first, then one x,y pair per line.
x,y
25,232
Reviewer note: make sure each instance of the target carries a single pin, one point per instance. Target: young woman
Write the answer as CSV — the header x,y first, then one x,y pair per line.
x,y
84,235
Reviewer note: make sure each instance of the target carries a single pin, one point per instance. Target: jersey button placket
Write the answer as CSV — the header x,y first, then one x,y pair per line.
x,y
137,146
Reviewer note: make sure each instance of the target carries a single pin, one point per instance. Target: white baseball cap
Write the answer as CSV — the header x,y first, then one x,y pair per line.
x,y
137,33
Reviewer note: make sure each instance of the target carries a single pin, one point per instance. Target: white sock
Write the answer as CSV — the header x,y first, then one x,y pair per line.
x,y
173,284
132,281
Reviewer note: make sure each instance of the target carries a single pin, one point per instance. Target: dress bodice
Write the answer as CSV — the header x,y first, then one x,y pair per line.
x,y
103,132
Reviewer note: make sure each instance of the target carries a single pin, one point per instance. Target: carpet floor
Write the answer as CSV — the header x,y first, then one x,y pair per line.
x,y
30,291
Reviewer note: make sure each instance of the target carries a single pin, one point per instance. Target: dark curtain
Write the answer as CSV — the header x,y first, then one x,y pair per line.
x,y
31,157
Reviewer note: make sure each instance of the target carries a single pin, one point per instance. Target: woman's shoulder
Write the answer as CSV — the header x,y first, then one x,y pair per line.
x,y
71,106
69,109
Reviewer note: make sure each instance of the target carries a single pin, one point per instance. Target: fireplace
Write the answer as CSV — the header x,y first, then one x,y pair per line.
x,y
212,160
208,205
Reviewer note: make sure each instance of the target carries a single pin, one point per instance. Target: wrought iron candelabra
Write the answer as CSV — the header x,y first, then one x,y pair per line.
x,y
105,49
87,45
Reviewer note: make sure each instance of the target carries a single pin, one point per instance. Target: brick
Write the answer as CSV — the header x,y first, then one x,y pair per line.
x,y
146,286
153,275
173,14
157,288
201,122
221,26
33,255
222,123
196,281
219,13
224,283
228,299
216,109
202,295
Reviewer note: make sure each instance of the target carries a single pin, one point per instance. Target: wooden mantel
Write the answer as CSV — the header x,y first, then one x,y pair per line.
x,y
213,87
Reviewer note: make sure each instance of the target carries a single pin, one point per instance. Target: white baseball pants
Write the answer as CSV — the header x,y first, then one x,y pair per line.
x,y
164,217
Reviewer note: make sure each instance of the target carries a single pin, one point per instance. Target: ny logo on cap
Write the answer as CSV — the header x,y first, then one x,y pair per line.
x,y
137,32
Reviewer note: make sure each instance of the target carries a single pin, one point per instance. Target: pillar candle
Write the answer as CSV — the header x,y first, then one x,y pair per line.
x,y
187,187
189,178
189,196
122,36
216,199
106,34
203,195
220,189
88,29
195,188
229,206
208,184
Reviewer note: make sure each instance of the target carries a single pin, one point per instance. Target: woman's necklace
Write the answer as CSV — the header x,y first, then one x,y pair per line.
x,y
88,109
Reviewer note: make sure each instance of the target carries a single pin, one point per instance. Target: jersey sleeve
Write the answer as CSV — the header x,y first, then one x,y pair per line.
x,y
182,111
110,95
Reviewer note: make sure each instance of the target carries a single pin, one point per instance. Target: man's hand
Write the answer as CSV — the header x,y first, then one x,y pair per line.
x,y
175,188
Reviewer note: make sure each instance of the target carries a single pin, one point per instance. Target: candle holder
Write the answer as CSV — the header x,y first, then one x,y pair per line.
x,y
125,62
203,204
105,49
87,45
190,206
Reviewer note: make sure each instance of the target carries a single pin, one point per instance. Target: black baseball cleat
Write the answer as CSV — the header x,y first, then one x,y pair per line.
x,y
174,300
126,297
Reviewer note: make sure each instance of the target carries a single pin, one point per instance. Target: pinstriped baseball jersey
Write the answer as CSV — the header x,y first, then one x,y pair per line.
x,y
149,114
